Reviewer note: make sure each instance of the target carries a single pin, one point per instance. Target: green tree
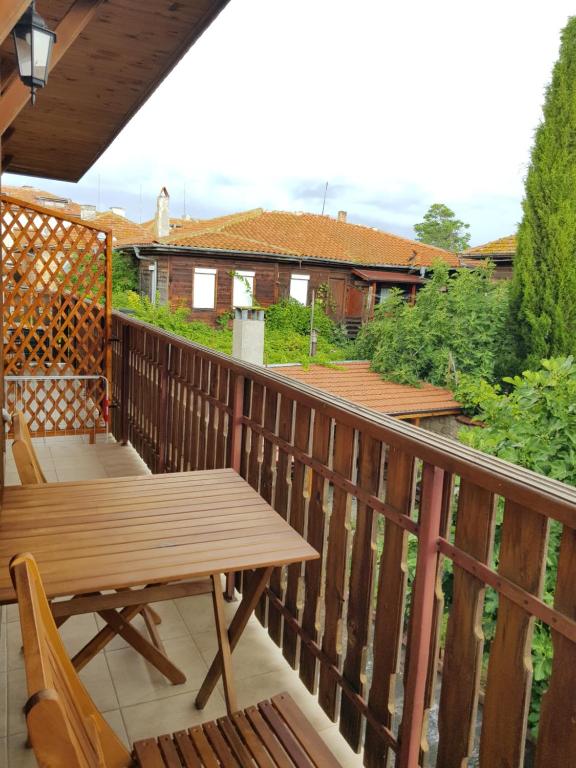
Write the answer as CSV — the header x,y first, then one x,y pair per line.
x,y
454,328
543,297
441,228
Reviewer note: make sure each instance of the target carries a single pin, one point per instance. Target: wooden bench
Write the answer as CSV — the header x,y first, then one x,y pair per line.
x,y
67,731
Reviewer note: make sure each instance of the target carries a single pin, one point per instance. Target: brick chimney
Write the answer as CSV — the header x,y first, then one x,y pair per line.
x,y
342,216
162,220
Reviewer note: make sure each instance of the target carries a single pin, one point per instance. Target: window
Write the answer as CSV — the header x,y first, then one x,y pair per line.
x,y
299,288
243,289
204,290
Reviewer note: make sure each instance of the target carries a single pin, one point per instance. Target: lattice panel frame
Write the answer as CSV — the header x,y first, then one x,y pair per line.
x,y
56,313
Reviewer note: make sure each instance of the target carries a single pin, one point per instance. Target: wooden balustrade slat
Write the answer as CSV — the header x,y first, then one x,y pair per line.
x,y
361,587
281,501
196,412
223,426
256,416
212,417
203,406
464,637
337,549
557,730
315,534
390,605
267,475
437,612
298,504
522,559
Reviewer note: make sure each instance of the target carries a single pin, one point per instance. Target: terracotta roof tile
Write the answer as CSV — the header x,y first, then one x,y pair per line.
x,y
124,231
310,235
504,246
41,197
356,382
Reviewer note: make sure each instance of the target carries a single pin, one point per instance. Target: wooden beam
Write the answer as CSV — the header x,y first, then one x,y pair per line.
x,y
16,95
10,15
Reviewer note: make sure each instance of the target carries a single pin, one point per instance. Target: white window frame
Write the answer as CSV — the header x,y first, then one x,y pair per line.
x,y
241,297
296,286
201,288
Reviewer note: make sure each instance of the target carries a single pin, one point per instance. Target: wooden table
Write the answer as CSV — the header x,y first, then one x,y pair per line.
x,y
148,538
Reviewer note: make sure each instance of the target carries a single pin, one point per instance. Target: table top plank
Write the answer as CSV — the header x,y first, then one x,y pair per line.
x,y
125,532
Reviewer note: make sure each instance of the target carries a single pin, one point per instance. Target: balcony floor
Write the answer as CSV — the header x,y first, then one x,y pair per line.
x,y
135,699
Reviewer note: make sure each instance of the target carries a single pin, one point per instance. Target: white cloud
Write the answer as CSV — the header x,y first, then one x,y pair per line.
x,y
398,105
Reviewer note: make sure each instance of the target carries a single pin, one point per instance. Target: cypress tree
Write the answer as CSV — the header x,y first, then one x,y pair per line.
x,y
543,292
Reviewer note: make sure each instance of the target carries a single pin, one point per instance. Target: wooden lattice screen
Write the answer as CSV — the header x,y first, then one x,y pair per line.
x,y
56,285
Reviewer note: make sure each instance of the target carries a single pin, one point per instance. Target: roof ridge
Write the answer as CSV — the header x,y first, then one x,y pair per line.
x,y
364,226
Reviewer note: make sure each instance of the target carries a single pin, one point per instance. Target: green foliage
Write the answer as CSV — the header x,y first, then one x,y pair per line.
x,y
533,425
543,298
453,328
286,338
441,228
124,277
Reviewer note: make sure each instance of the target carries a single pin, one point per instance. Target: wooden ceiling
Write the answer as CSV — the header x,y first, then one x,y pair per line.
x,y
123,54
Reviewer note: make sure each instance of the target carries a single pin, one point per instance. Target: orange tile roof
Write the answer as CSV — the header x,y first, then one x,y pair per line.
x,y
504,246
124,231
356,382
308,235
41,197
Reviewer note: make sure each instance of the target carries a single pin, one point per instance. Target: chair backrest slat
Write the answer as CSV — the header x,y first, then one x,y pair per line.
x,y
27,464
64,725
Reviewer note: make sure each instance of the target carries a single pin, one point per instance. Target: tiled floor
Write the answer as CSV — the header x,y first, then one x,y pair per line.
x,y
135,699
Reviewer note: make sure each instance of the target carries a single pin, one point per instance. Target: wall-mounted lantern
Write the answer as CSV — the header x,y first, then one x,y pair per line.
x,y
33,42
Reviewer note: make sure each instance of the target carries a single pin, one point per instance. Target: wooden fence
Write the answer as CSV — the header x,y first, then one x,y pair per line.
x,y
388,506
56,273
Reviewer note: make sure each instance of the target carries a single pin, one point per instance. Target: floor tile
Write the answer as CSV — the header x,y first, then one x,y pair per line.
x,y
115,720
136,681
171,627
198,613
3,705
340,748
255,653
157,717
79,473
17,696
19,756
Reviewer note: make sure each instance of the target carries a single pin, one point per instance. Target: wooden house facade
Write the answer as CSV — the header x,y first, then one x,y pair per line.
x,y
262,257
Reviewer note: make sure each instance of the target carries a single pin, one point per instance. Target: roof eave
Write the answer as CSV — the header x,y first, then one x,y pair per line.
x,y
284,257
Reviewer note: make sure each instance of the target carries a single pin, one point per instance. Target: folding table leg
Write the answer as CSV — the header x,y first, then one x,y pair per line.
x,y
249,601
137,640
118,623
224,645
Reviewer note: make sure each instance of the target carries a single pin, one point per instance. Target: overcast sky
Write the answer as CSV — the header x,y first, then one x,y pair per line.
x,y
396,104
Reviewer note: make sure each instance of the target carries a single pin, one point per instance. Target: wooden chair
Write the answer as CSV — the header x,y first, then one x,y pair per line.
x,y
27,464
67,731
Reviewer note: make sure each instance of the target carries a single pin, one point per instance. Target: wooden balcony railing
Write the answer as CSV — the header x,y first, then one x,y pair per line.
x,y
365,629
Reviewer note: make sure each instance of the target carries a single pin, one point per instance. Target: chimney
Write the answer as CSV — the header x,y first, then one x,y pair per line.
x,y
118,211
87,212
342,216
248,335
162,220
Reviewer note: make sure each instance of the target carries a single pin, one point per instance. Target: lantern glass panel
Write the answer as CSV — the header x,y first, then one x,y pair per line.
x,y
23,43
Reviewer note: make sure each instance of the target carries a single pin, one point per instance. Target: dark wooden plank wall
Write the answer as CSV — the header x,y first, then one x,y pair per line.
x,y
271,282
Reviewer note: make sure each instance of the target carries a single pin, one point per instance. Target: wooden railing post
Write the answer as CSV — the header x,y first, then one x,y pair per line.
x,y
163,363
125,385
421,619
